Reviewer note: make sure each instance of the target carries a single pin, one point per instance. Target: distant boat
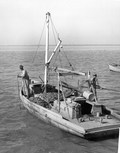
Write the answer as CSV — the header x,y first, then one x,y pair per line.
x,y
114,67
65,105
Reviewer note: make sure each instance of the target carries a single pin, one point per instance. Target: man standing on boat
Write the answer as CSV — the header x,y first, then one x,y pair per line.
x,y
25,81
94,86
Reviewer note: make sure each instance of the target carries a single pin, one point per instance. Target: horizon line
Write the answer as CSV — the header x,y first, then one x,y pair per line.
x,y
70,45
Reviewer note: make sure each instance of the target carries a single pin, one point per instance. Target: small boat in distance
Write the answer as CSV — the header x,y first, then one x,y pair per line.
x,y
68,106
114,67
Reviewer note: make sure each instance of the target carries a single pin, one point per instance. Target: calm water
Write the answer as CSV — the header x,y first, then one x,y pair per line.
x,y
20,132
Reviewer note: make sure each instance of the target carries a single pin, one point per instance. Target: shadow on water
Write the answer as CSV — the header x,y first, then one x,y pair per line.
x,y
103,138
77,139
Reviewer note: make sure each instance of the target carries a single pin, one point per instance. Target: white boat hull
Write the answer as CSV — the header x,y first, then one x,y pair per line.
x,y
114,68
57,120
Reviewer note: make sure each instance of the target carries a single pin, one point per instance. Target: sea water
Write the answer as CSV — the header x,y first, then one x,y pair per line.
x,y
20,132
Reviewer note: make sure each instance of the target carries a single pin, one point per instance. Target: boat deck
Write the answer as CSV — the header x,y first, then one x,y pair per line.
x,y
95,122
91,122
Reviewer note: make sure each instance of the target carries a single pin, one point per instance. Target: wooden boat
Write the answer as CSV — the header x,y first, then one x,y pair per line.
x,y
66,106
114,67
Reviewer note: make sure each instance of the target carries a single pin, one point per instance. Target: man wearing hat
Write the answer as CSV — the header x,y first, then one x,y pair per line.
x,y
94,85
25,81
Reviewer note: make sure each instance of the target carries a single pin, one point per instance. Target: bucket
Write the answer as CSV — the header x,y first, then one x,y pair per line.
x,y
88,95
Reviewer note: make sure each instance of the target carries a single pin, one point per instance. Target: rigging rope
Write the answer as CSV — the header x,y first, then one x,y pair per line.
x,y
54,29
63,50
68,60
39,43
56,36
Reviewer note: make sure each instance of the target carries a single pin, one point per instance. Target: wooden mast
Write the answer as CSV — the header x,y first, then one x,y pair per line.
x,y
47,48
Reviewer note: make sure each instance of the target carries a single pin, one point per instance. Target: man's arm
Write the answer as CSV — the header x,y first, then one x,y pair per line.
x,y
22,74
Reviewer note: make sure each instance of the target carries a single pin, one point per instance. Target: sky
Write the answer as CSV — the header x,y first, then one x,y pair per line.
x,y
76,21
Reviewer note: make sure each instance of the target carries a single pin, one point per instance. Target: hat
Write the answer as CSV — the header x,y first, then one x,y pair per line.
x,y
95,75
20,66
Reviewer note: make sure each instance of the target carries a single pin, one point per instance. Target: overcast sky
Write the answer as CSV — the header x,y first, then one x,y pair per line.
x,y
76,21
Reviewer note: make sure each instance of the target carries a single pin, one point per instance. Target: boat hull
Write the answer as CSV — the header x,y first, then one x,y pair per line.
x,y
114,68
57,120
51,117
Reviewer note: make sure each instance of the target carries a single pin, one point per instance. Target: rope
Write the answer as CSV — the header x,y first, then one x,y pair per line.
x,y
68,60
55,34
54,28
39,43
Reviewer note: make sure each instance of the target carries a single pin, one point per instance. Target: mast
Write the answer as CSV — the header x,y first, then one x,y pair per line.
x,y
47,48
